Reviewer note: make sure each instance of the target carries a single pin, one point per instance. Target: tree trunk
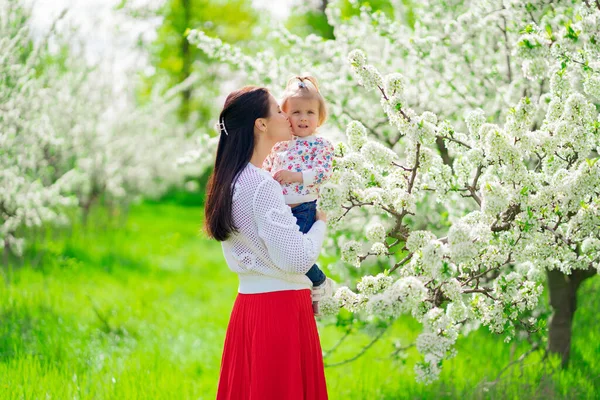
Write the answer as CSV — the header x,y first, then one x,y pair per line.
x,y
186,55
443,151
563,300
124,214
5,254
323,5
86,208
6,270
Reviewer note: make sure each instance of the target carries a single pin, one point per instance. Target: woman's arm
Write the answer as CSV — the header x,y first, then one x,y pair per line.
x,y
290,249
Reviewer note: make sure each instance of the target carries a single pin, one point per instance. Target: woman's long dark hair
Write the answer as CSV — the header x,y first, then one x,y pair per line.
x,y
236,145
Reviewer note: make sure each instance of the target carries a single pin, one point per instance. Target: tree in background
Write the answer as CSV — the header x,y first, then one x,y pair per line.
x,y
70,137
309,17
175,61
467,177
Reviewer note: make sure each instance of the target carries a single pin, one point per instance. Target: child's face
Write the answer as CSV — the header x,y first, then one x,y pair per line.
x,y
304,115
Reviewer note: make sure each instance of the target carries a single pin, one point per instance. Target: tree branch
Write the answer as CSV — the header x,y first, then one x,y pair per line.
x,y
370,129
566,241
503,29
518,360
508,217
401,262
359,354
490,269
401,166
473,187
406,117
454,140
335,346
484,291
414,169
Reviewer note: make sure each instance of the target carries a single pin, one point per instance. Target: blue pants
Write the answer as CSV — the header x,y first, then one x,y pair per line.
x,y
305,214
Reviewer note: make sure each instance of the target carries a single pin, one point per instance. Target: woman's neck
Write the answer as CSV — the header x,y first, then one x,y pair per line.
x,y
261,151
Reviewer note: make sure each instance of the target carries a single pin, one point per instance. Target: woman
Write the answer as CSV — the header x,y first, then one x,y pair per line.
x,y
272,348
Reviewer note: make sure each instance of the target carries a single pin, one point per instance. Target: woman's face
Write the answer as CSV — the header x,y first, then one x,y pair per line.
x,y
279,128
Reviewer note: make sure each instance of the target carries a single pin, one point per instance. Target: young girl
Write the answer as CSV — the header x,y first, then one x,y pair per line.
x,y
303,164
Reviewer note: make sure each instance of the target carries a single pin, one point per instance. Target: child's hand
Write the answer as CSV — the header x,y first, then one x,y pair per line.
x,y
316,312
283,176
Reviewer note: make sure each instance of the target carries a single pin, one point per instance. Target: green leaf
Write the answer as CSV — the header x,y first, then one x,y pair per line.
x,y
528,29
571,34
591,161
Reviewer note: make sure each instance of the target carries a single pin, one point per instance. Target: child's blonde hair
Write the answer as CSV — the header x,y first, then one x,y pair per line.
x,y
305,87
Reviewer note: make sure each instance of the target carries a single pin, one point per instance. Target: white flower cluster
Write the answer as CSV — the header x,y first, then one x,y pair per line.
x,y
357,135
351,252
349,300
490,130
436,343
367,74
395,84
377,154
376,232
370,285
70,136
418,239
406,295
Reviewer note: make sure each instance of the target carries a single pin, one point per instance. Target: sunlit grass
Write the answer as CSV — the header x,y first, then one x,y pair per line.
x,y
140,312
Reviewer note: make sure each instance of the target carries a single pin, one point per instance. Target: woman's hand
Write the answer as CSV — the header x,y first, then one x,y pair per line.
x,y
321,216
283,176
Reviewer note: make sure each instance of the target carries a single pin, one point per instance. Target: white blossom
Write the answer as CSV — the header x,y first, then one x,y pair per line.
x,y
376,232
350,252
517,121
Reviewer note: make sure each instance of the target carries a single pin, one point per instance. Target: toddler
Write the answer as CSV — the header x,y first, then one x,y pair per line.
x,y
303,164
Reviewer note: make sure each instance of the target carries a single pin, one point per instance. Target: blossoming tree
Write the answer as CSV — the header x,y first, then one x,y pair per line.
x,y
70,136
470,155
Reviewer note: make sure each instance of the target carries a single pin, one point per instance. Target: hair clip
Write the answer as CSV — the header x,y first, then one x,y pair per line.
x,y
221,127
301,84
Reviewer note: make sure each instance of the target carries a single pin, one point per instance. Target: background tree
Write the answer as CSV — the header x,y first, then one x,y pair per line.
x,y
473,167
72,137
174,60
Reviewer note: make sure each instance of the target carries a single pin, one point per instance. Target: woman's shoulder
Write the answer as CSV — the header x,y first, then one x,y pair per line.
x,y
252,177
256,188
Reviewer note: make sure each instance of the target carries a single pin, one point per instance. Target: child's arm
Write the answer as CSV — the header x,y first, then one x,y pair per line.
x,y
323,165
282,176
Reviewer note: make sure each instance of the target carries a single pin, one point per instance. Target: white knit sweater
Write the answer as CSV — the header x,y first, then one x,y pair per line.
x,y
269,253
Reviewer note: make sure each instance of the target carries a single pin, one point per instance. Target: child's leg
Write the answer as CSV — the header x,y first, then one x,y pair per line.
x,y
315,275
305,214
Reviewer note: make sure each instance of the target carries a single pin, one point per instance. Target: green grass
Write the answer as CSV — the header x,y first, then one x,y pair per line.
x,y
140,312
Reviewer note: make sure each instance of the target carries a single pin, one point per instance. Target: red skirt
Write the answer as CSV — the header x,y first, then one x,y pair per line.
x,y
272,349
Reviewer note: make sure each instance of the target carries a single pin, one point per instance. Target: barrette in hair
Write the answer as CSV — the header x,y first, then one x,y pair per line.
x,y
221,125
301,84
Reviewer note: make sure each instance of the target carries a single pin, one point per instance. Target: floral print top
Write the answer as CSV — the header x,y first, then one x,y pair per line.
x,y
311,155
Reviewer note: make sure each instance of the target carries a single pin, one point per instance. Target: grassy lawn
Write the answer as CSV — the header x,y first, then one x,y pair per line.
x,y
140,312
